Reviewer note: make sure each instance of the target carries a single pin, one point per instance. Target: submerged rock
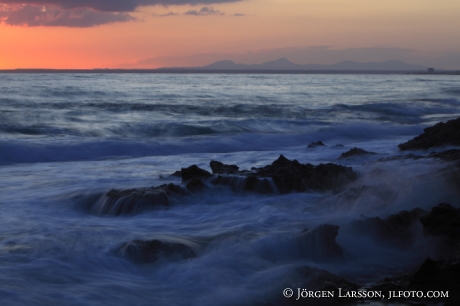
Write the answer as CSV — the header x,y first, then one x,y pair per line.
x,y
319,244
123,202
316,144
355,151
441,134
142,252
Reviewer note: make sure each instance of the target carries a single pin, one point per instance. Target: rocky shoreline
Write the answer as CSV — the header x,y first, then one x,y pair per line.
x,y
440,227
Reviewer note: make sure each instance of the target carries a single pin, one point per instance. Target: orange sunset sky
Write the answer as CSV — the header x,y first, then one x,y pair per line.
x,y
85,34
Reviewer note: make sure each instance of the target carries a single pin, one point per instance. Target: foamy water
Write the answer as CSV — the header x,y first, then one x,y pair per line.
x,y
66,139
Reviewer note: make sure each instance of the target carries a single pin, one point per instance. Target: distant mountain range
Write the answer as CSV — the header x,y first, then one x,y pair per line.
x,y
283,64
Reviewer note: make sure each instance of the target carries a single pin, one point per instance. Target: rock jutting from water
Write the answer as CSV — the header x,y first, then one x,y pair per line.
x,y
289,176
354,152
441,134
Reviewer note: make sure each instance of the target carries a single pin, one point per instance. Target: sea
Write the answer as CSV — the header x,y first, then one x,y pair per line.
x,y
68,138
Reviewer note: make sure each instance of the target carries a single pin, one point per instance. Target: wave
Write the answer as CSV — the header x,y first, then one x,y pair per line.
x,y
34,150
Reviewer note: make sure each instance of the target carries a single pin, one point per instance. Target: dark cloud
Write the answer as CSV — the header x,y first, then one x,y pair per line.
x,y
33,16
204,11
111,5
239,15
166,14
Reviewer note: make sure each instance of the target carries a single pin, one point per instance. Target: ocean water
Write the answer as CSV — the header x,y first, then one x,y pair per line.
x,y
66,139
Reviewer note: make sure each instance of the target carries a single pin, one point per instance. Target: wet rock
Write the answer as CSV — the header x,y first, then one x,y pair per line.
x,y
177,173
397,230
448,155
245,183
401,157
444,219
288,176
316,144
293,176
142,252
317,281
355,151
441,134
195,185
440,275
193,172
319,244
123,202
220,168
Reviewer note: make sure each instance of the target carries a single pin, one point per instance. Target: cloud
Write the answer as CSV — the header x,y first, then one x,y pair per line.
x,y
32,16
88,13
204,11
111,5
166,14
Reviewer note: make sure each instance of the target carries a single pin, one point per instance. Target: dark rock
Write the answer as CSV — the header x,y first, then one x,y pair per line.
x,y
122,202
397,230
245,183
317,281
319,244
401,157
288,176
449,155
316,144
142,252
177,173
443,219
193,172
441,134
441,275
220,168
195,185
294,176
355,151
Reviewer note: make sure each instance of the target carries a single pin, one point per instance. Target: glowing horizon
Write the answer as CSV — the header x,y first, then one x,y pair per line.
x,y
84,34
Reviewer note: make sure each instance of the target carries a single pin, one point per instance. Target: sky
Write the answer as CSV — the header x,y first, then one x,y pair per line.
x,y
86,34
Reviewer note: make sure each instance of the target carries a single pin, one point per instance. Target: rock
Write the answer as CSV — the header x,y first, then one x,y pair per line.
x,y
440,275
316,144
441,134
448,155
444,220
122,202
195,185
294,176
319,244
220,168
193,172
317,281
355,151
142,252
177,173
396,230
245,183
288,176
